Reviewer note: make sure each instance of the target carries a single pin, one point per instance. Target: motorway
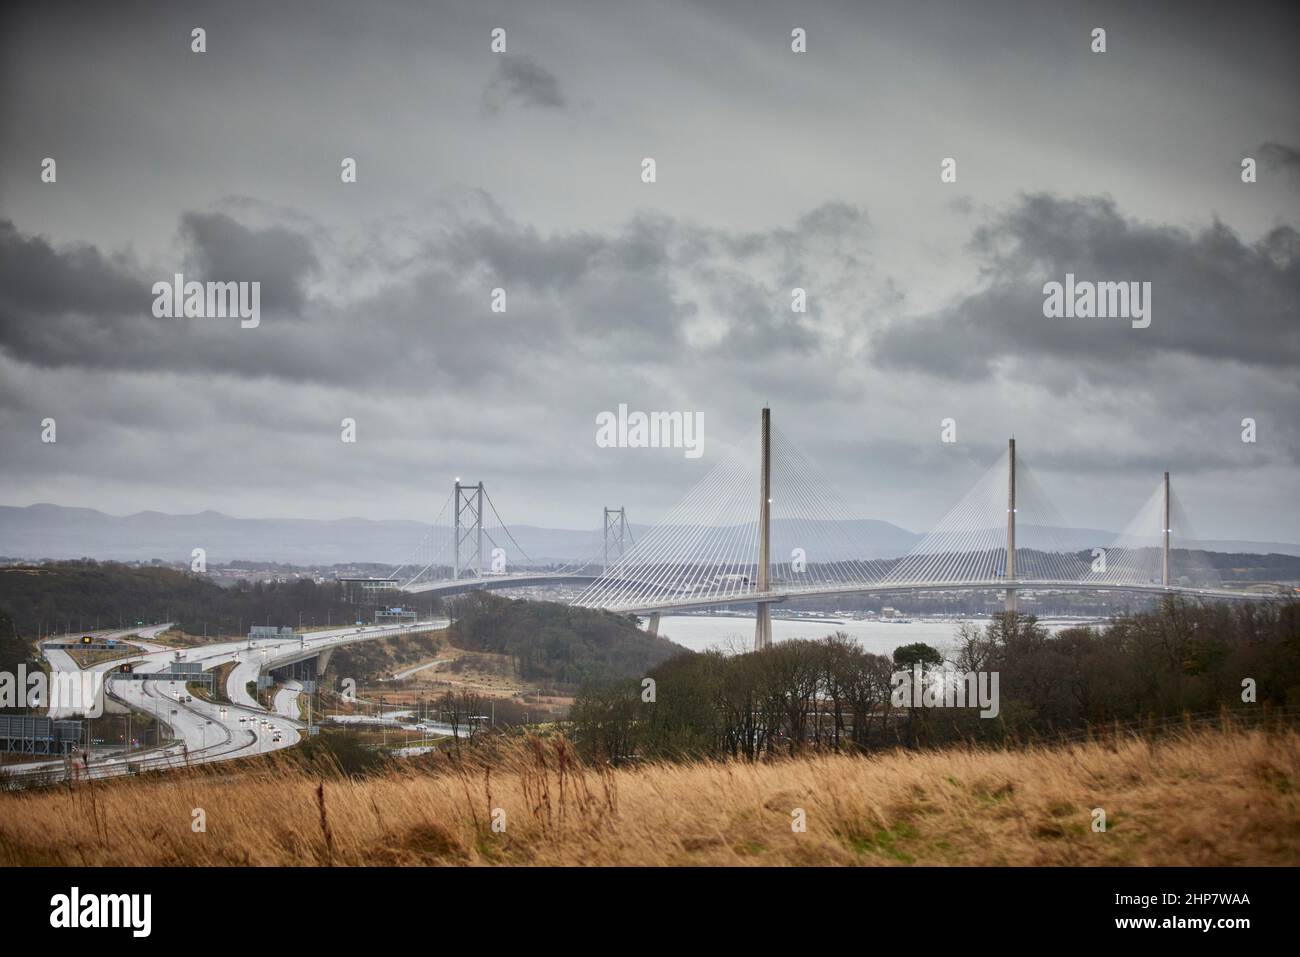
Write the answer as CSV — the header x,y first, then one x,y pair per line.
x,y
286,699
205,731
62,663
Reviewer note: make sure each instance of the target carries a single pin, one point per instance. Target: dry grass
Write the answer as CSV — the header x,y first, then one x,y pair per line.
x,y
1211,798
87,657
498,681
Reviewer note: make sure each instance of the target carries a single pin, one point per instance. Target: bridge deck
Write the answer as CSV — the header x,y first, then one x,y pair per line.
x,y
780,594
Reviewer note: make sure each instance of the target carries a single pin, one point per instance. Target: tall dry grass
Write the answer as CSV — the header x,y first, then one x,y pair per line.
x,y
1205,798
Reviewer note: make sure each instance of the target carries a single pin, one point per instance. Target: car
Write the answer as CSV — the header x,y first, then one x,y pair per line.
x,y
189,698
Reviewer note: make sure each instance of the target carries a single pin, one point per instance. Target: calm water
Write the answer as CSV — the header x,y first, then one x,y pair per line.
x,y
726,633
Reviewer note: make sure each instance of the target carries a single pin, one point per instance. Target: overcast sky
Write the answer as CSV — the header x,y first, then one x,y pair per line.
x,y
522,170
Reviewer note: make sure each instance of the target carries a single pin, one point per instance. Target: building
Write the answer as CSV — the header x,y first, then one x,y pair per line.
x,y
361,589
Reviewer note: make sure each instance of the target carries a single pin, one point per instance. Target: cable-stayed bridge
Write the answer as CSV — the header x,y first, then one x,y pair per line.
x,y
763,527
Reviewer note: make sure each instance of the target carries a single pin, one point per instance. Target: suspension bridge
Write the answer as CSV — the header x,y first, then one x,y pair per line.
x,y
468,548
765,528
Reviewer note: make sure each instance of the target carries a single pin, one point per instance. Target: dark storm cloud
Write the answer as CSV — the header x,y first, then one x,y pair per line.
x,y
37,281
78,306
221,250
523,81
1214,295
633,294
66,306
1282,157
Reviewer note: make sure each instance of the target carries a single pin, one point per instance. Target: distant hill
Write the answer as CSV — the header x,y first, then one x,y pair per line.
x,y
59,532
53,531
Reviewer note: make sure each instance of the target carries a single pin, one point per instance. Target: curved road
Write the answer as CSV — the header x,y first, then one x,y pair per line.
x,y
208,731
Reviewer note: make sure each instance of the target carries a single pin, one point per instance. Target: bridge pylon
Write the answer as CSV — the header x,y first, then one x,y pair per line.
x,y
468,512
1164,537
1011,524
763,622
615,534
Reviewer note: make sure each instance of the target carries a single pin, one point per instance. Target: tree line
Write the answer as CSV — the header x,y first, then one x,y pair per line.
x,y
830,694
82,595
556,644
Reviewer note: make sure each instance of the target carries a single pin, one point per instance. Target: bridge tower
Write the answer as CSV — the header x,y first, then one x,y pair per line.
x,y
468,502
615,533
1011,524
1164,539
763,623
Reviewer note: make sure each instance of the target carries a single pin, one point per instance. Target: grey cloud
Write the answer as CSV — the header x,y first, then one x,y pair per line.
x,y
522,254
834,219
61,306
1282,157
78,306
523,81
627,295
223,250
1215,295
38,281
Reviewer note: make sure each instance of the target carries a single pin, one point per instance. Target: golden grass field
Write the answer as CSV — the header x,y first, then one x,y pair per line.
x,y
1204,798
